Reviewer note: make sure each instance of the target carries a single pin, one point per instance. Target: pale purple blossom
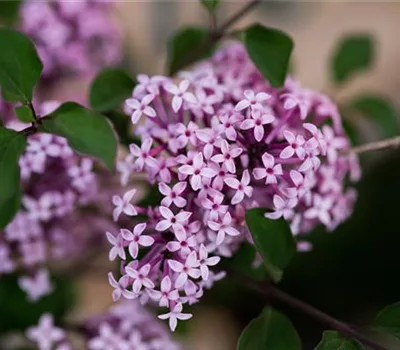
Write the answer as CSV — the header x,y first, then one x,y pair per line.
x,y
270,170
186,269
180,94
252,100
45,334
166,294
138,108
238,143
140,277
173,195
175,315
123,205
37,286
136,239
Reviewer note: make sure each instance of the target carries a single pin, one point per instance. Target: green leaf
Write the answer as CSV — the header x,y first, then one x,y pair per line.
x,y
18,313
210,5
86,131
187,46
243,262
24,114
332,340
109,89
12,144
353,54
20,66
273,239
269,331
388,320
379,111
270,50
9,11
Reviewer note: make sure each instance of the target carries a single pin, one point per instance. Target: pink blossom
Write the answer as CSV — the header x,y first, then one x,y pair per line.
x,y
257,122
120,287
45,334
197,171
136,239
293,100
252,100
227,156
118,246
228,124
295,146
180,94
184,243
282,208
189,268
175,315
140,277
223,227
142,154
141,107
171,220
211,138
173,195
270,170
37,286
186,134
166,294
321,209
123,205
214,204
107,339
242,187
206,261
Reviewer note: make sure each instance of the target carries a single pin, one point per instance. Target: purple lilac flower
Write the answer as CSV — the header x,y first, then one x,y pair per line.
x,y
128,326
125,326
218,141
72,37
48,227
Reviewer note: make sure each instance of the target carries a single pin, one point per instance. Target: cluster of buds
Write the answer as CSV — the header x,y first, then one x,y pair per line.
x,y
55,182
72,37
218,141
125,326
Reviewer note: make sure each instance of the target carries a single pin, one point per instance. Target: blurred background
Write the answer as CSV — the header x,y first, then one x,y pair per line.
x,y
350,273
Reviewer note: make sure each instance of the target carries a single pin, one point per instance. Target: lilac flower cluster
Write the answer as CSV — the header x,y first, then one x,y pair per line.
x,y
72,37
55,181
218,141
125,326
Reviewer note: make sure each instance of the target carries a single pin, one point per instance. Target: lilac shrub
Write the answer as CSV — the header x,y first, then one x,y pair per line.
x,y
72,37
217,141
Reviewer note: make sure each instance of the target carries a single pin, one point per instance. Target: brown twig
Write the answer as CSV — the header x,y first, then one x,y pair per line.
x,y
272,292
242,12
374,146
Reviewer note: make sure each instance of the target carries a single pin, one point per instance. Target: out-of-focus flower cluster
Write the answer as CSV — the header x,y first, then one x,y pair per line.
x,y
72,37
125,326
217,141
55,182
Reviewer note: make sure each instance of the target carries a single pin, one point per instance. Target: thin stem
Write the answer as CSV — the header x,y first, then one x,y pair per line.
x,y
242,12
374,146
340,326
273,292
29,130
218,33
30,105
